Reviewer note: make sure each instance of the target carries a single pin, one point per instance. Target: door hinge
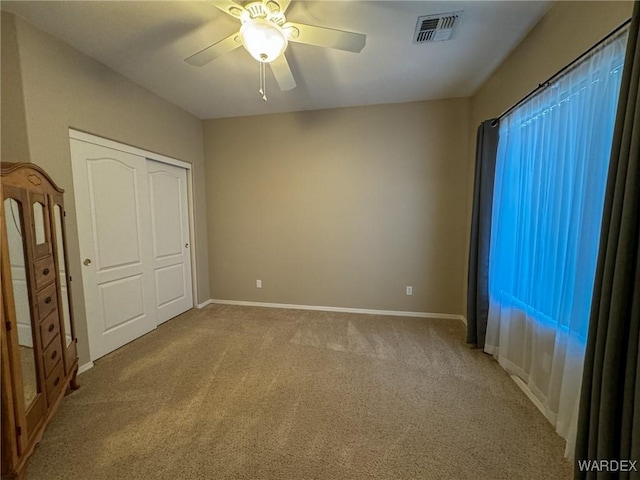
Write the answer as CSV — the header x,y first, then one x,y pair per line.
x,y
7,325
18,431
70,278
64,213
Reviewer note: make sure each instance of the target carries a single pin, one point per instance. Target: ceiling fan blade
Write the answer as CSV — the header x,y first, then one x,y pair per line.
x,y
282,72
229,7
325,37
283,4
212,52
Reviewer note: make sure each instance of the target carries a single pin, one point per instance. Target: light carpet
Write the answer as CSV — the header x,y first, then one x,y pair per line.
x,y
231,392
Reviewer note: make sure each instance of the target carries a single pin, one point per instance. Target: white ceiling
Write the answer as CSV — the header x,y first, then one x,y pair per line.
x,y
147,41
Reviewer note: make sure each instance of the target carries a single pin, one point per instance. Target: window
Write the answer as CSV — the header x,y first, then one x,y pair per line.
x,y
551,171
551,174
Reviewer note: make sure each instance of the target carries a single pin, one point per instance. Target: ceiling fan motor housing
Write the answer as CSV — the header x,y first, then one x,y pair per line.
x,y
269,10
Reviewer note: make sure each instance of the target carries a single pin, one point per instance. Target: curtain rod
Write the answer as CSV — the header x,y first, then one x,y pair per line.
x,y
546,83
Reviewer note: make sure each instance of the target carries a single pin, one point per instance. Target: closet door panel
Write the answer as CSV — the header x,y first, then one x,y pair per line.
x,y
112,200
170,237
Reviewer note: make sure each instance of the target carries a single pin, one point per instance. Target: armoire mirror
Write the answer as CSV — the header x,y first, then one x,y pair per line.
x,y
14,224
64,287
38,223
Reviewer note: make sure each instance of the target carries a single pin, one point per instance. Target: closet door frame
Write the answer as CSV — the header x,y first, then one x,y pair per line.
x,y
104,142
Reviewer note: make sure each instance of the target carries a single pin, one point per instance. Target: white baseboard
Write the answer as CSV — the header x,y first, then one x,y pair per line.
x,y
523,386
85,367
205,303
395,313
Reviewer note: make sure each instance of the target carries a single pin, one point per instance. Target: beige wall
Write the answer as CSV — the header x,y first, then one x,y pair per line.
x,y
565,32
13,128
341,207
64,88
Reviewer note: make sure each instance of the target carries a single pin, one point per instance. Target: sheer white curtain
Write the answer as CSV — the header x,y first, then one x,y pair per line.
x,y
551,171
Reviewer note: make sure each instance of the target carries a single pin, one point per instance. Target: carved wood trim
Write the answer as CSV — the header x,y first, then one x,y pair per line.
x,y
7,167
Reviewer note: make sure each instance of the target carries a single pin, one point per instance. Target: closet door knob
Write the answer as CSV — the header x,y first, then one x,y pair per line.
x,y
87,262
45,271
51,327
47,300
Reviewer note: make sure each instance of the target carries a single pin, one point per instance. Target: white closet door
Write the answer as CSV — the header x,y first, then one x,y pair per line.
x,y
112,201
171,244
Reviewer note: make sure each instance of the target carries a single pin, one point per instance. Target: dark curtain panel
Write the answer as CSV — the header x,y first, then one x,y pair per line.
x,y
609,422
478,280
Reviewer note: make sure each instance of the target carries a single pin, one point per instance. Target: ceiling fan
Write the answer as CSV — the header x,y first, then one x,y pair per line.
x,y
265,33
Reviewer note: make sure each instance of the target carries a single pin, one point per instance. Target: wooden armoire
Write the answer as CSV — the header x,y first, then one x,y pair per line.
x,y
39,355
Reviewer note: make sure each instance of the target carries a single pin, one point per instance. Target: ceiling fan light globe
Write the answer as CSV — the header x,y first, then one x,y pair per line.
x,y
264,40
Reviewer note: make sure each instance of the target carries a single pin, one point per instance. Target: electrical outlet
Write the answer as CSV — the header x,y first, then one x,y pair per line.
x,y
409,290
258,283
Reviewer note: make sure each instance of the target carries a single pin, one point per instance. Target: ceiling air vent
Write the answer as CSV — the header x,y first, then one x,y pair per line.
x,y
436,28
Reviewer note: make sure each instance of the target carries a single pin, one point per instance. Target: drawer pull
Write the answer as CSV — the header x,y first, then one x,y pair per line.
x,y
47,300
54,354
45,271
55,384
52,327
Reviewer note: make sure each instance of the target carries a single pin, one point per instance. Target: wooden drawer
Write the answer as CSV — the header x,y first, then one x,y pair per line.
x,y
54,384
49,328
52,356
45,271
47,301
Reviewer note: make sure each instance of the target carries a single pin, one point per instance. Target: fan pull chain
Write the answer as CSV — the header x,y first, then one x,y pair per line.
x,y
263,82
